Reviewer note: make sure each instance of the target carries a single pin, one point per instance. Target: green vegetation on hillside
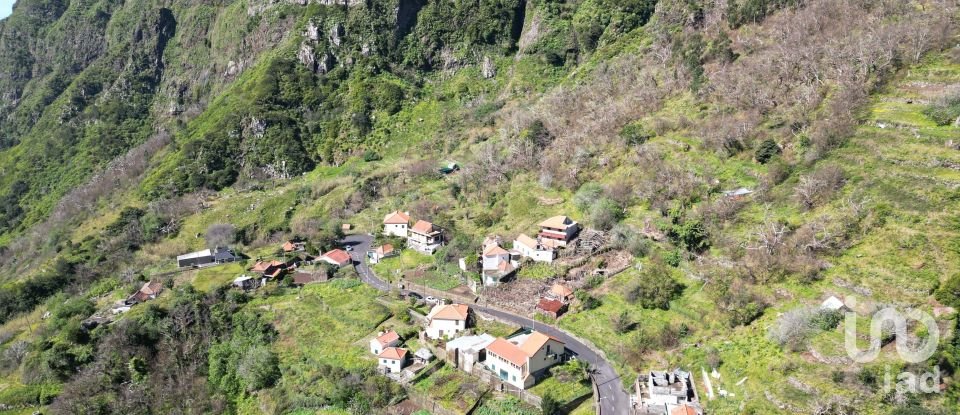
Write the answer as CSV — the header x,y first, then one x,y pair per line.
x,y
131,130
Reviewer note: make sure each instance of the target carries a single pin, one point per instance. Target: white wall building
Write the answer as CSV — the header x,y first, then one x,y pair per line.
x,y
392,360
425,237
558,231
528,247
396,224
383,341
520,359
447,321
465,351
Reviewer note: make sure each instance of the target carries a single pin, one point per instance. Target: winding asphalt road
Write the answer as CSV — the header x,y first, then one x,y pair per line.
x,y
614,400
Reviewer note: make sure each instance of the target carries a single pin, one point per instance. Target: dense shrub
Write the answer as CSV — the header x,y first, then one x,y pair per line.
x,y
767,150
949,291
655,288
605,214
587,301
636,134
944,111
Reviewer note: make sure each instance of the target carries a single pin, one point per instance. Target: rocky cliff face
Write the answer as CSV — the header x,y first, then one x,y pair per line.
x,y
82,83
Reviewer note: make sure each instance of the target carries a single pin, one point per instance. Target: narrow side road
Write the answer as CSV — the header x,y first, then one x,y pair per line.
x,y
614,400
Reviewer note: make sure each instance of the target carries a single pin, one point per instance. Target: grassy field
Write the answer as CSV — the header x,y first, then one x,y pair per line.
x,y
322,323
451,388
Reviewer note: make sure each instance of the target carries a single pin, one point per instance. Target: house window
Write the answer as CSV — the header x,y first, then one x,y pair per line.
x,y
514,378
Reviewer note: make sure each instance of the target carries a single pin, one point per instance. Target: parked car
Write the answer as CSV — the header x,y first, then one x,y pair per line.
x,y
431,299
412,294
348,248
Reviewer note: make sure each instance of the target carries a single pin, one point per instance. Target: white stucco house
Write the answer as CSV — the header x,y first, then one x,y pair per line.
x,y
447,321
521,359
531,248
383,341
396,224
393,360
497,264
425,237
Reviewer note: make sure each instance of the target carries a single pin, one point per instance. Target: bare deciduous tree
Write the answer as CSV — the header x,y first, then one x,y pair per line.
x,y
220,234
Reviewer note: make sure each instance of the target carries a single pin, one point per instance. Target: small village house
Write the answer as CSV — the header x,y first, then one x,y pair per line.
x,y
382,252
293,246
269,269
422,356
558,231
666,391
464,352
522,358
425,237
396,223
392,360
531,248
447,320
561,292
551,307
384,340
147,292
337,257
220,255
496,263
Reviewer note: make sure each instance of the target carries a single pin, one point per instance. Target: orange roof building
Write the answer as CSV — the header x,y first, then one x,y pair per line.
x,y
396,224
447,321
393,353
396,217
551,307
425,237
292,246
520,359
392,359
336,257
561,292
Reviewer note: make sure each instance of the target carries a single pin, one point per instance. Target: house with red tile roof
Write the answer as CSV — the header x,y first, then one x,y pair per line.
x,y
384,340
337,257
149,291
425,237
269,269
382,252
447,320
522,358
561,292
393,359
293,246
396,223
551,307
497,264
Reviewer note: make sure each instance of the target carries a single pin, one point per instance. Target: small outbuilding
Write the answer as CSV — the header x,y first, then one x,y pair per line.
x,y
551,307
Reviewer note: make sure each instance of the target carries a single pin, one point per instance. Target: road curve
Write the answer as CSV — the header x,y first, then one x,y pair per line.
x,y
614,400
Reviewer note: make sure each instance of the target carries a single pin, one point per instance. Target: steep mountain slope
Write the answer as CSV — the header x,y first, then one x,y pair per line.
x,y
130,128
